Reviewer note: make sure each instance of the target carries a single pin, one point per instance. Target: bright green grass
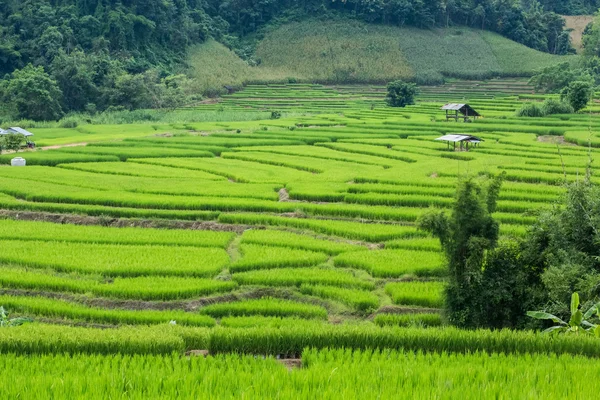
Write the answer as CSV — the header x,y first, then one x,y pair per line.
x,y
115,260
45,231
416,293
267,307
297,241
51,308
382,374
255,257
139,288
394,263
425,320
358,299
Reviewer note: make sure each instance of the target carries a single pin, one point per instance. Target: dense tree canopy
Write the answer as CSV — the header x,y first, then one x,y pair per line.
x,y
95,49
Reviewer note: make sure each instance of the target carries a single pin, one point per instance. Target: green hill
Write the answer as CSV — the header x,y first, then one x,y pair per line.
x,y
349,51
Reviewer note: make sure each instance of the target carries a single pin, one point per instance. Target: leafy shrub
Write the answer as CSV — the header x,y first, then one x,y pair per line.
x,y
69,123
552,106
531,110
401,94
578,94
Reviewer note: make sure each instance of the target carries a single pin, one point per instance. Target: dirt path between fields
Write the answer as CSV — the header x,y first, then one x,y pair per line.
x,y
60,146
123,222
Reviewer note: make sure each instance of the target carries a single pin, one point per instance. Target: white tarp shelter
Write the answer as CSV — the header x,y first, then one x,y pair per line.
x,y
460,138
16,130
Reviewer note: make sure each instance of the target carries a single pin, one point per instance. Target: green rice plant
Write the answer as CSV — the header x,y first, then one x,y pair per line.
x,y
394,263
272,322
124,152
425,320
299,276
134,169
265,158
47,339
179,185
357,299
141,288
256,257
266,307
348,229
368,150
10,203
161,288
52,158
115,260
325,373
325,153
45,231
295,241
423,244
396,200
416,293
51,308
291,340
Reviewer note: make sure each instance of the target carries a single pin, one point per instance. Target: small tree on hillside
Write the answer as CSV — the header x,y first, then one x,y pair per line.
x,y
11,142
577,94
466,236
35,94
401,94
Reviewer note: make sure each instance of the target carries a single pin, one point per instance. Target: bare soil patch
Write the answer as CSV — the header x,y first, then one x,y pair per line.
x,y
578,24
197,353
291,363
284,196
554,140
60,146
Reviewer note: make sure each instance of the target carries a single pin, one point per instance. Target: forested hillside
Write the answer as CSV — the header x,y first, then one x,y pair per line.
x,y
93,55
347,51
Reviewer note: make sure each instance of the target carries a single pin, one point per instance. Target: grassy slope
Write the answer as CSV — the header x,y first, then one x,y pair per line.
x,y
354,52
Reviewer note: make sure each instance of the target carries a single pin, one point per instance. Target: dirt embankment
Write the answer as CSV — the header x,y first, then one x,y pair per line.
x,y
577,23
122,222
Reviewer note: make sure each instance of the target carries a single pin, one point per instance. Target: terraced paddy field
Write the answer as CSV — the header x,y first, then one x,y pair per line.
x,y
292,238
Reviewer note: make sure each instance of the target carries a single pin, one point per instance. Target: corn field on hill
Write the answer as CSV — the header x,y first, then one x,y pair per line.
x,y
349,51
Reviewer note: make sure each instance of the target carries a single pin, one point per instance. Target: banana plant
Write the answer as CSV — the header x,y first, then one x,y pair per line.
x,y
8,322
578,323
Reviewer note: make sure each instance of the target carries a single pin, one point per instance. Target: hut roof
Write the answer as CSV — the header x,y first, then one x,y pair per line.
x,y
460,138
18,130
464,109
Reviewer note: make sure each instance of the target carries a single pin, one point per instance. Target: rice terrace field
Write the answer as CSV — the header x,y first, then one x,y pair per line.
x,y
137,249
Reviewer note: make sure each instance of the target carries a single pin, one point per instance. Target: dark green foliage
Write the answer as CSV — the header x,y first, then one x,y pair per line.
x,y
557,77
531,110
552,106
488,285
114,54
577,94
401,94
507,288
11,142
571,7
466,236
591,38
34,94
563,246
548,107
578,321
